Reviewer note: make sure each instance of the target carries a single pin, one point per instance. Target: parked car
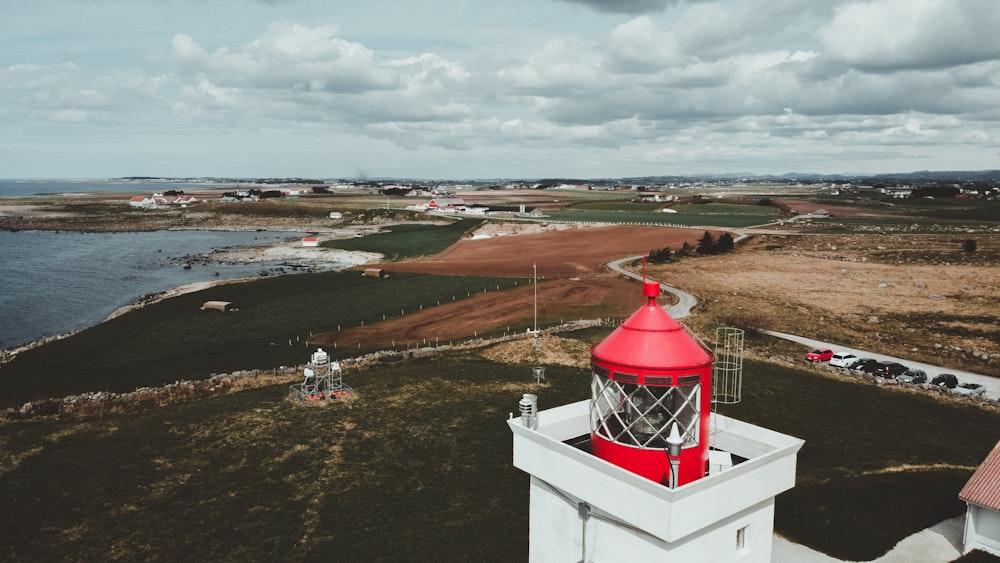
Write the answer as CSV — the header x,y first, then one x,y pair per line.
x,y
864,365
971,389
945,380
913,376
889,370
819,355
842,360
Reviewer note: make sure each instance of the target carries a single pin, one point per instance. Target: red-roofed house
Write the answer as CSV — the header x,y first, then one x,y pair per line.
x,y
982,498
452,204
310,241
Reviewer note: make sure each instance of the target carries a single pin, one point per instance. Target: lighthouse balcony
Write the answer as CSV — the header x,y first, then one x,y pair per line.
x,y
565,477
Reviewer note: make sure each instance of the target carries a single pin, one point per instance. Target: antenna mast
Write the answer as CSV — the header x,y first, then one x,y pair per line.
x,y
534,273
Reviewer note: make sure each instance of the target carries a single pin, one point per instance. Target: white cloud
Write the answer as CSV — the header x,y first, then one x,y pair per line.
x,y
626,6
910,34
748,85
71,115
641,45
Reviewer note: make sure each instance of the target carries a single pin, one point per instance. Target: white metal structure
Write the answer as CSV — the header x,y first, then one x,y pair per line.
x,y
534,332
322,379
727,370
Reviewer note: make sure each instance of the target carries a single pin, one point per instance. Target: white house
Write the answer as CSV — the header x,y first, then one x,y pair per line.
x,y
452,204
982,498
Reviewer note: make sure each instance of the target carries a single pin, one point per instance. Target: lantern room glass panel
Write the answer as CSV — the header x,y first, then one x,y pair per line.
x,y
640,415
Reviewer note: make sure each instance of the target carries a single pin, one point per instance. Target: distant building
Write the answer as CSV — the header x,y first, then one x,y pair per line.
x,y
310,241
476,209
141,201
452,204
223,306
158,200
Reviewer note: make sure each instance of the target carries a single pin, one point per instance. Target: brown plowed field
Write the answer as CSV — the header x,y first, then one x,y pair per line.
x,y
573,283
558,254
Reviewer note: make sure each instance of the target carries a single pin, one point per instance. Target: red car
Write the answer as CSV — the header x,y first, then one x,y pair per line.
x,y
819,355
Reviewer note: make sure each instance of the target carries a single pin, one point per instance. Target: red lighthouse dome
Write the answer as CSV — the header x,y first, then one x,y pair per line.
x,y
652,388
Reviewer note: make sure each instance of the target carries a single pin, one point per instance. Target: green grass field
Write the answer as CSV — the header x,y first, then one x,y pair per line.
x,y
174,339
725,215
408,240
418,467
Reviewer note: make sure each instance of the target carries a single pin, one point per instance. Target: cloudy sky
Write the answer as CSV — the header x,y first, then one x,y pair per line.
x,y
458,89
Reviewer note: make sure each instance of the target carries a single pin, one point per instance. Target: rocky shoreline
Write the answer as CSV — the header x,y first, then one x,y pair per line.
x,y
291,257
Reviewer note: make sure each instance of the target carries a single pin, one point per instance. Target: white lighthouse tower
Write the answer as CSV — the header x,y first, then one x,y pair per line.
x,y
627,475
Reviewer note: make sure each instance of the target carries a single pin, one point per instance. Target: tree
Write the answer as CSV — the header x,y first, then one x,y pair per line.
x,y
969,245
706,245
685,250
725,243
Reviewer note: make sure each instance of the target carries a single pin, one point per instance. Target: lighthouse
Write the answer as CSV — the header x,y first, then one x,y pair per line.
x,y
651,394
644,469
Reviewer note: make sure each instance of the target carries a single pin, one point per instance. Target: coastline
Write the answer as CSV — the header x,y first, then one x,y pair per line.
x,y
289,255
311,259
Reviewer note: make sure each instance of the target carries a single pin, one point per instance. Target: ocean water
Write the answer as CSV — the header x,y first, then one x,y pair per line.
x,y
24,188
52,283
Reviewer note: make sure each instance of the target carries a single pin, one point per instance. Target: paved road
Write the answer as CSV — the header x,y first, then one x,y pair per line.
x,y
685,301
941,542
992,383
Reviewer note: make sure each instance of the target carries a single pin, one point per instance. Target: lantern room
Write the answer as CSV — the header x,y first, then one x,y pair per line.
x,y
651,397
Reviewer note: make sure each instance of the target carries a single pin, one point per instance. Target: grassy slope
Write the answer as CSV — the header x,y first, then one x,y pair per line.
x,y
405,241
418,468
174,339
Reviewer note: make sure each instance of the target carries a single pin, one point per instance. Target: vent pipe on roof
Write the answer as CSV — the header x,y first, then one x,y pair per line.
x,y
528,406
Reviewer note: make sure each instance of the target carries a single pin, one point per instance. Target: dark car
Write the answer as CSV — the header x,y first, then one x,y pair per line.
x,y
864,365
913,376
890,370
945,380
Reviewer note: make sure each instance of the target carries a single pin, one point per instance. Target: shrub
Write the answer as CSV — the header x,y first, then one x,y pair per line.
x,y
660,256
754,322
